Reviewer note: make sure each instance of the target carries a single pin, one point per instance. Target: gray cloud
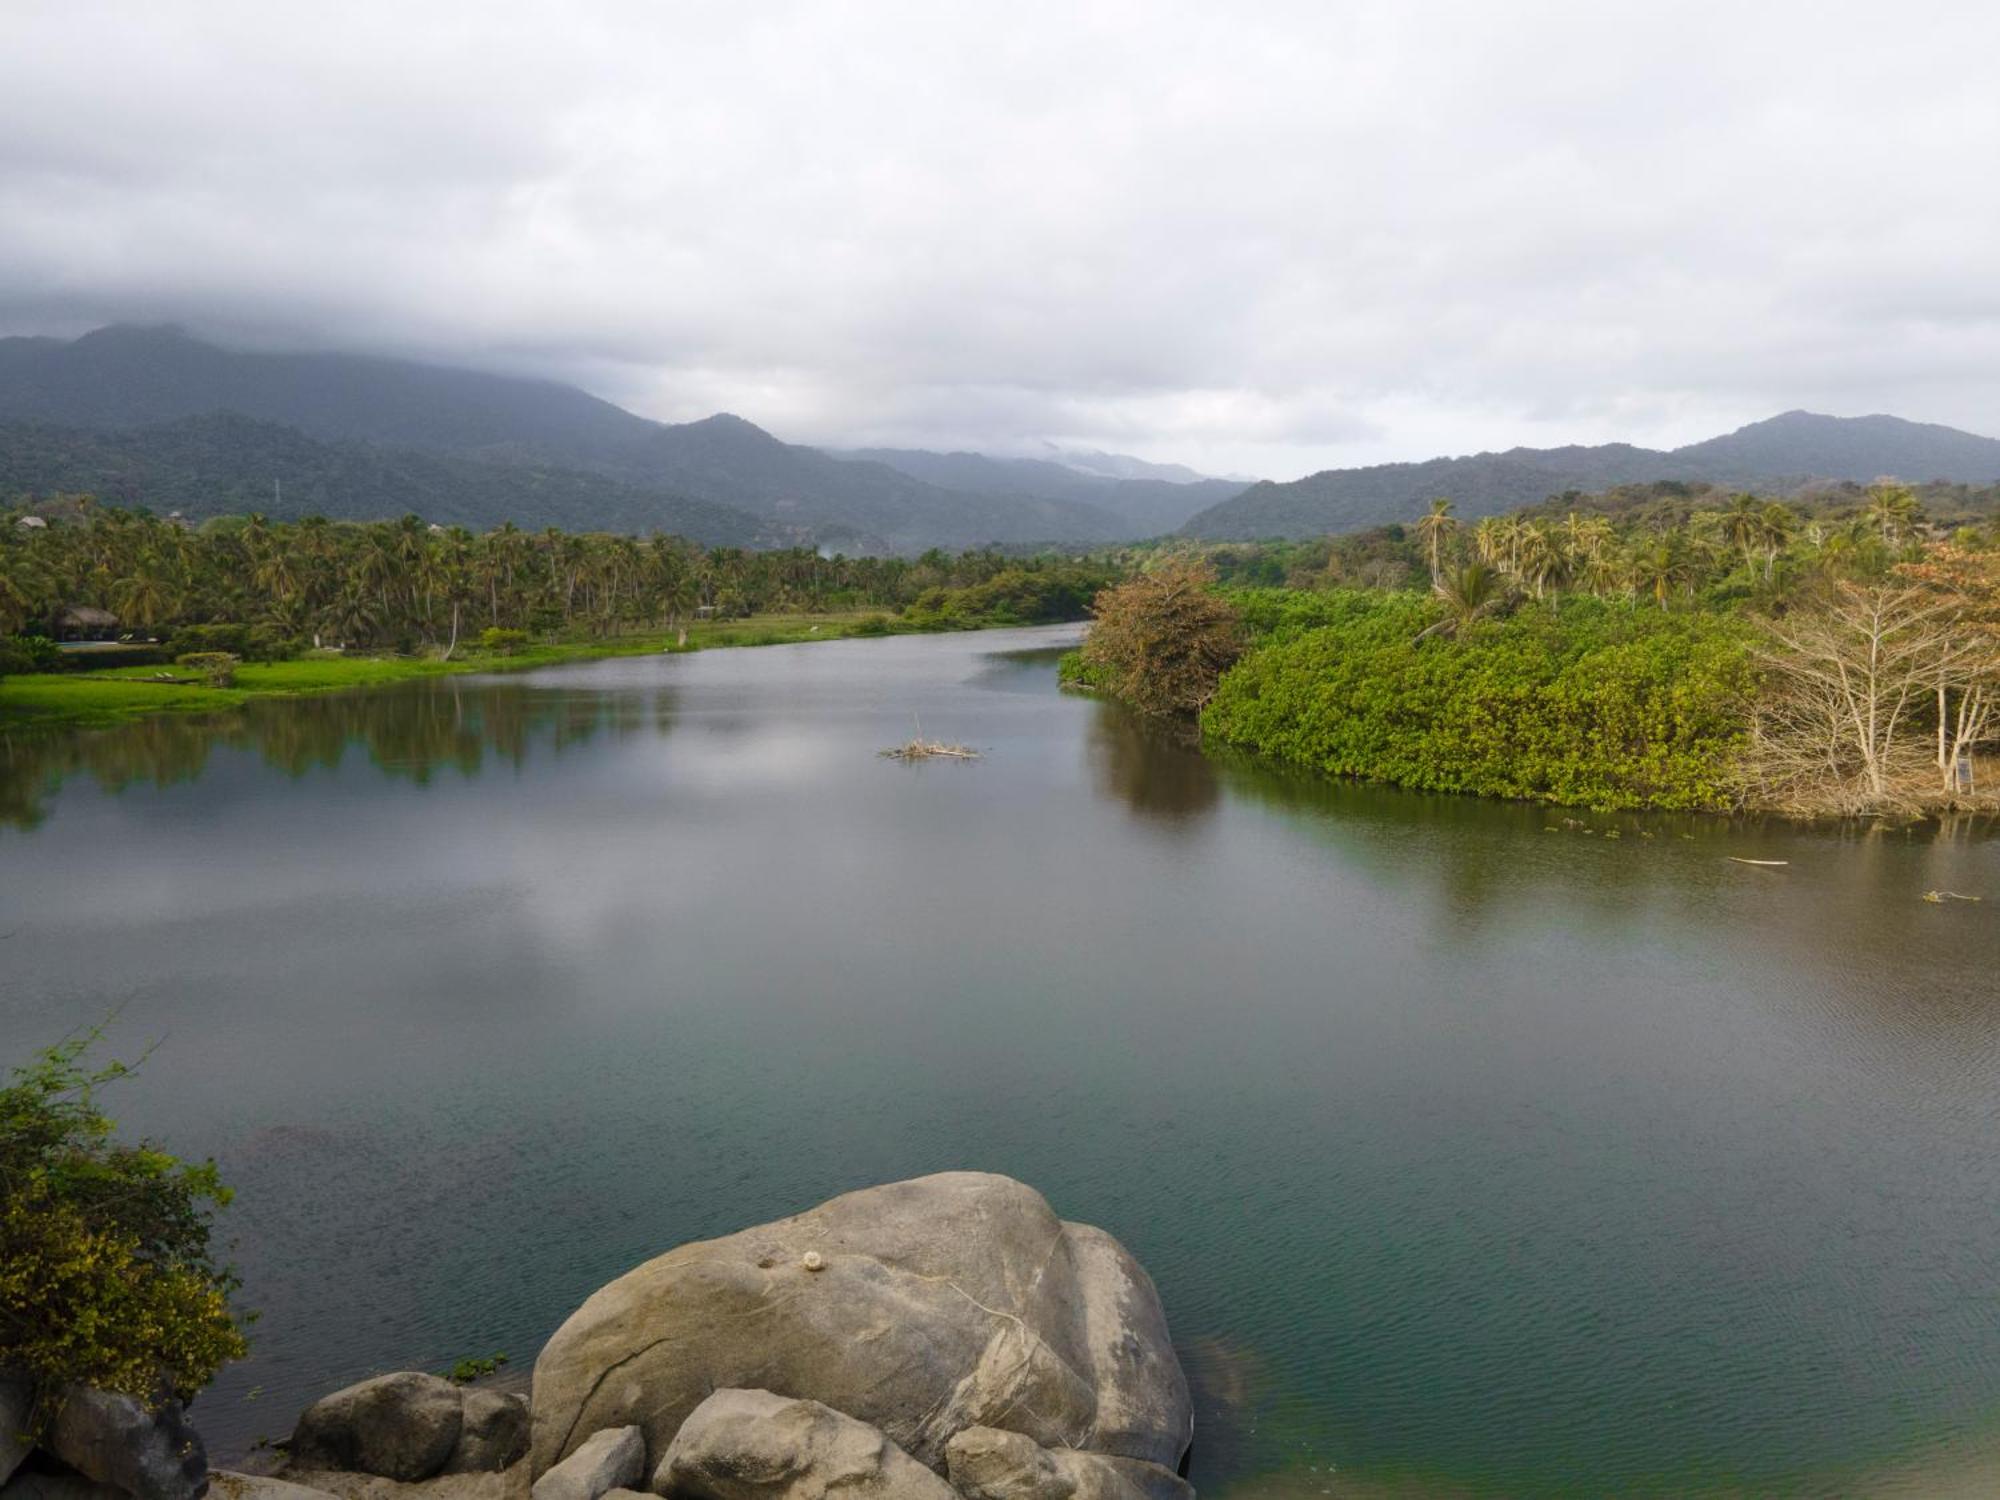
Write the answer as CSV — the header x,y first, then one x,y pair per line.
x,y
1261,238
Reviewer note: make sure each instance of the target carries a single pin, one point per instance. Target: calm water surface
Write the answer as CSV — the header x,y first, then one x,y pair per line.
x,y
1473,1153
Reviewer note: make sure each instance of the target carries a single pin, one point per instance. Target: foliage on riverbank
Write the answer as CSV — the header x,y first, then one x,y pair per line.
x,y
1805,661
1588,704
1162,640
83,700
106,1275
274,588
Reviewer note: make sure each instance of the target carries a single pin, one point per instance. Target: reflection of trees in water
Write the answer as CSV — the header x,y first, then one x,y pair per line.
x,y
1156,770
410,733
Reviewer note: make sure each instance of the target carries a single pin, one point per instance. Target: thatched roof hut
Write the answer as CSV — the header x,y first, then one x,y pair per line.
x,y
85,622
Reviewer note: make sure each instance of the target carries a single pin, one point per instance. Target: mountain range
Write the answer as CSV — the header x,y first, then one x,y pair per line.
x,y
1782,455
157,417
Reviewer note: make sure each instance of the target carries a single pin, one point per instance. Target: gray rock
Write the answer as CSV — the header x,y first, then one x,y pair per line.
x,y
493,1435
1153,1481
17,1396
613,1458
934,1305
1143,1407
227,1484
987,1464
148,1452
346,1485
402,1427
752,1445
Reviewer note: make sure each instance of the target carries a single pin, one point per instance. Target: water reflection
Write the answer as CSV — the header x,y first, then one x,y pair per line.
x,y
1462,1139
410,733
1159,775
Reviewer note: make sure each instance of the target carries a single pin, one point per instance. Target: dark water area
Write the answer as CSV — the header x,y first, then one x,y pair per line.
x,y
1476,1151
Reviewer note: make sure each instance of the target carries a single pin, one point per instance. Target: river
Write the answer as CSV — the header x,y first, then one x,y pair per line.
x,y
1476,1149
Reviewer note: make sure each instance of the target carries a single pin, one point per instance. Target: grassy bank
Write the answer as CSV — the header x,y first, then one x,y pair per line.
x,y
86,700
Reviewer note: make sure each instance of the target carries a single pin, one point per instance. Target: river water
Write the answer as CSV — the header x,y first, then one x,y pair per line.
x,y
1476,1150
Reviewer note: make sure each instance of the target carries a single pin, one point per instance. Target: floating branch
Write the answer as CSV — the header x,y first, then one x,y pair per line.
x,y
1766,864
1938,898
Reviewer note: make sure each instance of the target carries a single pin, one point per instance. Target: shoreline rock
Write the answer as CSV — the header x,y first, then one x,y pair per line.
x,y
945,1338
945,1302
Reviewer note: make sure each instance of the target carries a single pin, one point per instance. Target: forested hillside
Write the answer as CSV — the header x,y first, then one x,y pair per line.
x,y
1781,456
143,384
231,465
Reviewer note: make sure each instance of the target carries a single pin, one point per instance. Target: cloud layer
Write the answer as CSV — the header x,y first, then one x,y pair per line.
x,y
1266,238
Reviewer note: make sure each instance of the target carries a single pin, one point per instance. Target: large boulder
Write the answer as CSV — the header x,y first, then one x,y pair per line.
x,y
148,1451
492,1436
613,1458
752,1445
402,1427
987,1464
921,1308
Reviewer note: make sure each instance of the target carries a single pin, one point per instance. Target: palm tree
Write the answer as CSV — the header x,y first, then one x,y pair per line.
x,y
1537,559
1469,592
1436,525
1659,565
1742,526
1893,509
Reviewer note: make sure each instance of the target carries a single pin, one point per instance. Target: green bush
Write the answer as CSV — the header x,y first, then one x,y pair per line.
x,y
502,642
1591,704
21,654
270,643
191,640
106,1276
870,625
218,667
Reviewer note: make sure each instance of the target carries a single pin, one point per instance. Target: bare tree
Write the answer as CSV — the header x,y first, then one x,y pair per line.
x,y
1839,729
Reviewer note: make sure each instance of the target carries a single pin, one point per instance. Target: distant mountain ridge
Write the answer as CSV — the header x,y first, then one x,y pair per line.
x,y
1151,505
226,464
1778,455
719,480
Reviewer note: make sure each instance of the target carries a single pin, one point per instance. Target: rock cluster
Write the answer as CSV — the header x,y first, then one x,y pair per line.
x,y
947,1338
98,1446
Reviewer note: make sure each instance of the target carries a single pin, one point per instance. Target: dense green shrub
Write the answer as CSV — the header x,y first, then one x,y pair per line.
x,y
106,1276
501,641
21,654
269,643
190,639
218,667
1589,703
1013,596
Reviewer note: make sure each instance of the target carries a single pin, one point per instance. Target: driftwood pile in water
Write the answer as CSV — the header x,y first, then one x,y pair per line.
x,y
923,749
919,748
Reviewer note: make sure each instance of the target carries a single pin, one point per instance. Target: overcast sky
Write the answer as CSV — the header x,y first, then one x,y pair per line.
x,y
1261,238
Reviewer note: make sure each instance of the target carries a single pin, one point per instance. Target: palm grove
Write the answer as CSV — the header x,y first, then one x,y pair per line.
x,y
1659,646
402,585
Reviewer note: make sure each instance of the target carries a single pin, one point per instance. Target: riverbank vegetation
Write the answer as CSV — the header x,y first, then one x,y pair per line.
x,y
1650,654
107,1277
316,605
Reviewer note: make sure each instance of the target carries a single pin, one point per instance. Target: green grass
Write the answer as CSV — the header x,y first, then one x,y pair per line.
x,y
85,700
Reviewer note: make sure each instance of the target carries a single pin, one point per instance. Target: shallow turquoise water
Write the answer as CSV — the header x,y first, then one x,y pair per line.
x,y
1470,1156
